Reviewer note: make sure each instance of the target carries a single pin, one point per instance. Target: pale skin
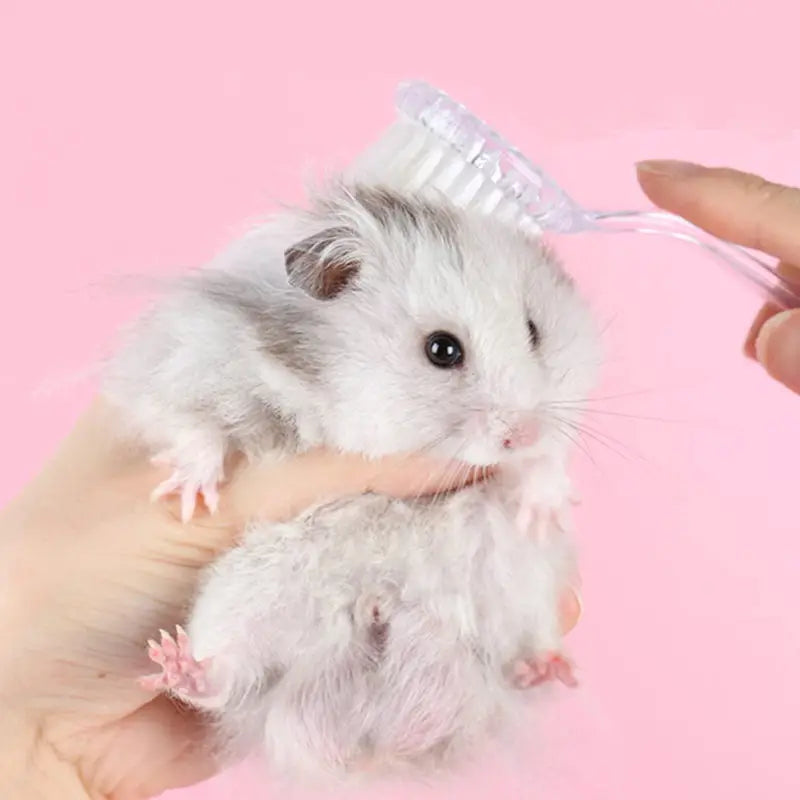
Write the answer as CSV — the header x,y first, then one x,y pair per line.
x,y
90,568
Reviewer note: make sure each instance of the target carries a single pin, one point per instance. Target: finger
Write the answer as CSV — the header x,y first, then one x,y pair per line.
x,y
278,490
413,475
777,347
571,610
171,741
733,205
769,310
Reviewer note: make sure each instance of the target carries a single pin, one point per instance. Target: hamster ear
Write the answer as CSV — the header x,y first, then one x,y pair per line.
x,y
323,264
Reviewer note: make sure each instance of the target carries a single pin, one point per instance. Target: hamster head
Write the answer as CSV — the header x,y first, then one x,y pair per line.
x,y
443,330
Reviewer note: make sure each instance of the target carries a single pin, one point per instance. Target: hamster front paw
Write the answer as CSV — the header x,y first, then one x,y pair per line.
x,y
180,672
546,498
530,672
195,471
541,520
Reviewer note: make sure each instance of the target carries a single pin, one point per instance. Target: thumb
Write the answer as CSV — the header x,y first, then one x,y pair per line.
x,y
778,348
732,205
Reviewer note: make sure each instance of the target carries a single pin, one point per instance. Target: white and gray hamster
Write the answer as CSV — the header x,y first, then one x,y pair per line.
x,y
369,633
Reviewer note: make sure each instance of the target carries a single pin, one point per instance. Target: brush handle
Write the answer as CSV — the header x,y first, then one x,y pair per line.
x,y
774,288
501,178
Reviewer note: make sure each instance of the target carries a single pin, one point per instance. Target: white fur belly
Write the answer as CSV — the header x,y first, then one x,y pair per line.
x,y
389,627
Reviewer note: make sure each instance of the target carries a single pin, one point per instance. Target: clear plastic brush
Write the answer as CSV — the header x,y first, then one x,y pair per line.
x,y
438,145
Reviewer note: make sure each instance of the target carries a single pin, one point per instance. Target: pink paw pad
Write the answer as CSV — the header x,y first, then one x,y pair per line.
x,y
180,672
535,671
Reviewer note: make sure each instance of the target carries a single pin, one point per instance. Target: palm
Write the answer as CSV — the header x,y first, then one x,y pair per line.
x,y
122,578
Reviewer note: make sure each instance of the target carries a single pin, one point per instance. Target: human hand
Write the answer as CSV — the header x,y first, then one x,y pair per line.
x,y
89,569
751,211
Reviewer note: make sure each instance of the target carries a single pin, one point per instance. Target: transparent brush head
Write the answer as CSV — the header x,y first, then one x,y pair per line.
x,y
500,179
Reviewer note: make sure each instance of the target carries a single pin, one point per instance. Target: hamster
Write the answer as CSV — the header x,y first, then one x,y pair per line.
x,y
369,634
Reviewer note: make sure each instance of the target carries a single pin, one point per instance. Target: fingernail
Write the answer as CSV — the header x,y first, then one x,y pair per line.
x,y
670,169
778,347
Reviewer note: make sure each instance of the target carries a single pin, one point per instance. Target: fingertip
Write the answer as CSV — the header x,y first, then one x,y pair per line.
x,y
766,312
571,609
777,348
660,178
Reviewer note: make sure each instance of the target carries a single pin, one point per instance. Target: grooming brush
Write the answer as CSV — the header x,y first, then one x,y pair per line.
x,y
436,144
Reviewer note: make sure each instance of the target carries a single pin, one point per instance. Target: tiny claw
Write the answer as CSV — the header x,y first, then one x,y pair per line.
x,y
211,497
164,488
562,671
152,683
560,519
521,669
154,653
188,502
168,645
181,638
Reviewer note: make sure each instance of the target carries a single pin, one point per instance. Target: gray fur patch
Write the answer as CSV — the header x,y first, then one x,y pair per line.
x,y
282,330
411,215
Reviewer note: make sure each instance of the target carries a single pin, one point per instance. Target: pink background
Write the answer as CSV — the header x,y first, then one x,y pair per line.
x,y
137,138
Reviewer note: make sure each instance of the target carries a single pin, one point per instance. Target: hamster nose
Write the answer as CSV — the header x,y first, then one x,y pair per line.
x,y
524,434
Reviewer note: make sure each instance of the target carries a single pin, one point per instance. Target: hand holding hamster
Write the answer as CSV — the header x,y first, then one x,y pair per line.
x,y
90,569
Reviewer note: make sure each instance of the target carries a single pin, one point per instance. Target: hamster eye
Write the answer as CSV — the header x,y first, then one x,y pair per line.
x,y
444,350
533,334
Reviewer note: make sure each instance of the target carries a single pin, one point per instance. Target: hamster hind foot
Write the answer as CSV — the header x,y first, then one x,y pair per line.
x,y
529,672
180,672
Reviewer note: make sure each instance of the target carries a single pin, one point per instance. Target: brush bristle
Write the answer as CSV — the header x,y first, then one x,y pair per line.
x,y
438,144
412,158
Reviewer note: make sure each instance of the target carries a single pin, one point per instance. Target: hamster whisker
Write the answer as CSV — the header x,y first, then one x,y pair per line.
x,y
574,438
566,345
614,445
643,417
608,413
601,398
